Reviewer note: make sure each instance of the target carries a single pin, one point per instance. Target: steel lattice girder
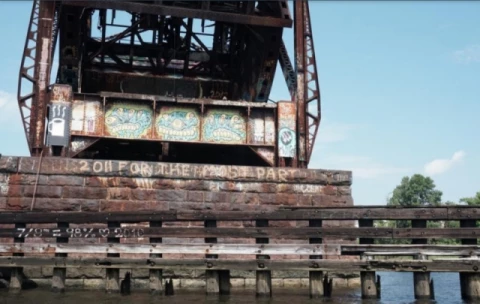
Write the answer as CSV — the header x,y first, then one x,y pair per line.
x,y
156,9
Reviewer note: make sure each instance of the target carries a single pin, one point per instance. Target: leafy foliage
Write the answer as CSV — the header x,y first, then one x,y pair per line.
x,y
417,190
471,201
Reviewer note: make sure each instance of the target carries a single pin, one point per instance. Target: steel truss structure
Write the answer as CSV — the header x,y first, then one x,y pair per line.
x,y
203,51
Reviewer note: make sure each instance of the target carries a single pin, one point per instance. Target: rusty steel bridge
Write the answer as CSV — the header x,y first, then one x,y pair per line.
x,y
175,81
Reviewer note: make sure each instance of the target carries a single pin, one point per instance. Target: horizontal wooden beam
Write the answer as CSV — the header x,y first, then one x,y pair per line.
x,y
155,9
344,213
411,250
244,249
252,265
254,249
249,232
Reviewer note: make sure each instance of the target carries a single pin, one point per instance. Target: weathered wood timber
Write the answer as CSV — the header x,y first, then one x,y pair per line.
x,y
447,265
166,242
344,213
421,281
245,249
258,232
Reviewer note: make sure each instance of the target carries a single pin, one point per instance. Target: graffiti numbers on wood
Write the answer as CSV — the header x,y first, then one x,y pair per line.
x,y
80,232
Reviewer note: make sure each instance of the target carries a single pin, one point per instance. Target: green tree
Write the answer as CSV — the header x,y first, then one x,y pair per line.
x,y
413,191
417,190
471,201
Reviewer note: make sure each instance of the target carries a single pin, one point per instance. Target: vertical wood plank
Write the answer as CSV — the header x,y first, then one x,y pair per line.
x,y
263,277
316,281
217,281
16,275
421,280
469,282
112,284
367,278
155,275
59,274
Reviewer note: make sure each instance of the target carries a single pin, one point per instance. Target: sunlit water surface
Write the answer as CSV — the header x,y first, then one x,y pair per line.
x,y
396,288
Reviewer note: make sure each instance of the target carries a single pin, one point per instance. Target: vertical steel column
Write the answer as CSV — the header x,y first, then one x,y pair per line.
x,y
299,31
42,76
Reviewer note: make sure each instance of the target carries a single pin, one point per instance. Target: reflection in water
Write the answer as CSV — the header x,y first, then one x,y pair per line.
x,y
396,288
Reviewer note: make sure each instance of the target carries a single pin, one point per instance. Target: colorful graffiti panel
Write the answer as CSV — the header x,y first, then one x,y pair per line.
x,y
128,120
224,126
287,141
87,117
178,124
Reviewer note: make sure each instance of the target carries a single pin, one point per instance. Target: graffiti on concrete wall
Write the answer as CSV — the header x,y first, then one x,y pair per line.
x,y
128,120
178,124
224,126
286,129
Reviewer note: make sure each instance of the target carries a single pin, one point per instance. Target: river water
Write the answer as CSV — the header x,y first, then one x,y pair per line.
x,y
396,288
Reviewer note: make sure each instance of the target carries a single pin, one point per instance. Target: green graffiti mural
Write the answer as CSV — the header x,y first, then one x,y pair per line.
x,y
224,126
179,124
127,120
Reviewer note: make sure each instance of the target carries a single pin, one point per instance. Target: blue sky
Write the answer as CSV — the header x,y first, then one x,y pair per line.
x,y
400,91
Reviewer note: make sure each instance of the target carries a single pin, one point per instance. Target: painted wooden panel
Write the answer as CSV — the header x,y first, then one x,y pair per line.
x,y
224,126
287,141
178,124
129,120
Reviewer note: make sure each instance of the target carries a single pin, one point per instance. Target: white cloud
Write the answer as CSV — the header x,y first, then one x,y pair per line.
x,y
9,111
335,132
468,54
439,166
361,166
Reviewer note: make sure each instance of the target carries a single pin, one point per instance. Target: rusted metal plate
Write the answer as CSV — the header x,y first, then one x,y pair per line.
x,y
78,144
129,120
287,138
224,126
87,116
269,128
61,93
256,127
268,154
178,124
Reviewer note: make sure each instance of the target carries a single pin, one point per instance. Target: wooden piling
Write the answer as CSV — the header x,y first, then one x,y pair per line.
x,y
59,274
469,282
155,275
217,281
263,277
16,275
316,282
112,284
367,278
211,276
421,280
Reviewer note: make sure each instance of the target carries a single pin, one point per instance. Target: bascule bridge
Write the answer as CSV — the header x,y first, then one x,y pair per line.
x,y
170,81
